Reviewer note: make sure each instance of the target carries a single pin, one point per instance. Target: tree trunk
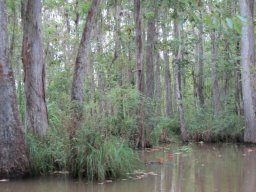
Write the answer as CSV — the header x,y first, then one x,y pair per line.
x,y
158,87
215,83
36,118
248,70
117,52
167,77
100,74
150,52
177,74
82,59
13,159
174,88
200,66
139,72
227,75
117,32
238,84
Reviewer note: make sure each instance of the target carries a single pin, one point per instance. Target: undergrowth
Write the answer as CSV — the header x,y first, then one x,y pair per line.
x,y
203,125
96,157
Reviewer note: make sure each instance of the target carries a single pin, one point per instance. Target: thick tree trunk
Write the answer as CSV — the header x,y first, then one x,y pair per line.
x,y
13,159
177,75
82,59
34,68
214,76
248,70
167,77
139,72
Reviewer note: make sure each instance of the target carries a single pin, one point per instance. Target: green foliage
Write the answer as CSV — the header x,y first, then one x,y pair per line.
x,y
128,96
203,125
98,157
93,153
185,149
149,15
48,154
101,148
165,129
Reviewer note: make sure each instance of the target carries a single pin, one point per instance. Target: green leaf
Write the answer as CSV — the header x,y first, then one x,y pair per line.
x,y
242,19
208,20
237,24
85,7
149,15
230,23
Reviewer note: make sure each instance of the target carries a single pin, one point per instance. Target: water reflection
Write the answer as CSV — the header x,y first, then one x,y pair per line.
x,y
208,168
249,182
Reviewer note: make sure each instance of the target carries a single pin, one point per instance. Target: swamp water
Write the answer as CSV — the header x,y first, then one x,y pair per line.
x,y
193,168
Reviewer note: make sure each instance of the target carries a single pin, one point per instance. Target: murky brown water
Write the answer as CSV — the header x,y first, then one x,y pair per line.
x,y
206,168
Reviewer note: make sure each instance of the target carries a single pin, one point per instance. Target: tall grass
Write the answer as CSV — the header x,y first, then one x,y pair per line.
x,y
48,154
96,157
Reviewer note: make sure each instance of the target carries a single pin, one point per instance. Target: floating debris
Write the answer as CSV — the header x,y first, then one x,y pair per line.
x,y
4,180
250,150
152,173
61,172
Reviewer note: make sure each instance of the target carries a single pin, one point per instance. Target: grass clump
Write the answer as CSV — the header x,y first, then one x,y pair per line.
x,y
47,155
92,155
98,157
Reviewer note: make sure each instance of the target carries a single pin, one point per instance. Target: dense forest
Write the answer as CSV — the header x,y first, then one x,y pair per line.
x,y
84,83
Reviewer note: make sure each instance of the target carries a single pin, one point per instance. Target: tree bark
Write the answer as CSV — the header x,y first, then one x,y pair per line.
x,y
167,77
82,59
248,70
100,74
150,53
200,66
117,53
117,32
36,118
158,87
177,73
214,76
139,72
13,159
238,84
